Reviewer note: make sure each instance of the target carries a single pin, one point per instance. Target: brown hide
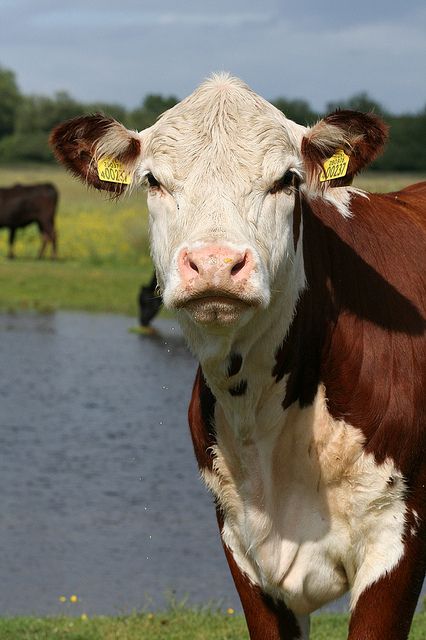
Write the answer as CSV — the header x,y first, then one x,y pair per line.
x,y
360,323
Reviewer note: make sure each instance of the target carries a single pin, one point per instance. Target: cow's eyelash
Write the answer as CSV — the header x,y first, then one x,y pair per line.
x,y
285,183
151,180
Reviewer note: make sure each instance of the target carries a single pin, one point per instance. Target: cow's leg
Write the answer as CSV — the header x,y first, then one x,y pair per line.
x,y
12,233
54,241
385,609
48,234
44,241
266,619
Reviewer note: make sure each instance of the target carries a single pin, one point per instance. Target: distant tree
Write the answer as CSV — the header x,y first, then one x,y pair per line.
x,y
25,122
37,115
41,113
116,111
297,110
406,149
22,147
358,102
152,106
10,99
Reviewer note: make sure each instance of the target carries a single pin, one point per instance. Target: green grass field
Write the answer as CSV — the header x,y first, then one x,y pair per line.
x,y
103,247
182,624
103,250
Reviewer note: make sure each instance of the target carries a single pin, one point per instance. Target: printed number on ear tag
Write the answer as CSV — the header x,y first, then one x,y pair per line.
x,y
111,170
335,167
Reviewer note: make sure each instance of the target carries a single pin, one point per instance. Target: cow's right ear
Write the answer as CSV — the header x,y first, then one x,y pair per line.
x,y
81,142
360,135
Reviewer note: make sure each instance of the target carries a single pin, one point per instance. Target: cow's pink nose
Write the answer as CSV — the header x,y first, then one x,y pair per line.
x,y
214,266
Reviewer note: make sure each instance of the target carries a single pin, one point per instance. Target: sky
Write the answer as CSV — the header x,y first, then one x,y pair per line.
x,y
121,50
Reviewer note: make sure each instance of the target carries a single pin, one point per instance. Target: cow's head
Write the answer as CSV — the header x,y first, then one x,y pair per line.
x,y
223,170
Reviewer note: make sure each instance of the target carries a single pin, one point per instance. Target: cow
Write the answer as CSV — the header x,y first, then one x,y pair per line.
x,y
303,299
149,301
22,205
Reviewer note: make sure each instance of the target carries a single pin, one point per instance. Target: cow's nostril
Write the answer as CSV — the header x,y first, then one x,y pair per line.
x,y
237,267
193,266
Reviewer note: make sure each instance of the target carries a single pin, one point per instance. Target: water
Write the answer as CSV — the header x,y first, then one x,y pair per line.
x,y
99,487
100,492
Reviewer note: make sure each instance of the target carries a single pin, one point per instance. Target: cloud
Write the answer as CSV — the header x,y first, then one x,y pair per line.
x,y
320,51
72,18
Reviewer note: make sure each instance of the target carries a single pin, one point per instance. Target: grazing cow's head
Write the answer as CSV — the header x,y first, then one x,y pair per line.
x,y
223,170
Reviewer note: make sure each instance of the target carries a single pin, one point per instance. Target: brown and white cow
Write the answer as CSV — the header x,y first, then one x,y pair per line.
x,y
303,301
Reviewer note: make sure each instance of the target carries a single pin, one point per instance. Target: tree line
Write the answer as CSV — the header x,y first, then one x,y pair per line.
x,y
26,120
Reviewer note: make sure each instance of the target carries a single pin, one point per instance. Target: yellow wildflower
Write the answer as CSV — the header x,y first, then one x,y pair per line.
x,y
73,598
62,599
230,611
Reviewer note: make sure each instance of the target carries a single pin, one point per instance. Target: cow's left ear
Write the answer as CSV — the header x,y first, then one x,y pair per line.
x,y
82,142
360,135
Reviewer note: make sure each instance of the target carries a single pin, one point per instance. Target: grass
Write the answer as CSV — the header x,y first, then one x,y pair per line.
x,y
92,227
46,286
377,182
179,624
103,247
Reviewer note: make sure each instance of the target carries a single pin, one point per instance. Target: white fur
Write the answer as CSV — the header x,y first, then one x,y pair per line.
x,y
308,514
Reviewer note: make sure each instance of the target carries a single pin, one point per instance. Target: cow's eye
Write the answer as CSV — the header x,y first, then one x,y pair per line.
x,y
153,182
284,183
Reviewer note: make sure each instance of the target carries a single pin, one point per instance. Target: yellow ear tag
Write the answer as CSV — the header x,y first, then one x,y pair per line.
x,y
111,170
335,167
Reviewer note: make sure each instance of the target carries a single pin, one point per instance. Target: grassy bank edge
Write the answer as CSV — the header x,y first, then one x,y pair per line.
x,y
47,286
183,624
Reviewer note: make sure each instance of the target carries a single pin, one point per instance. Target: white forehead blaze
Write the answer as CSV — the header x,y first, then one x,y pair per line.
x,y
224,132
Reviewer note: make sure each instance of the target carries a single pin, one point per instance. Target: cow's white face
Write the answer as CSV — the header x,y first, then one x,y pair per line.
x,y
220,169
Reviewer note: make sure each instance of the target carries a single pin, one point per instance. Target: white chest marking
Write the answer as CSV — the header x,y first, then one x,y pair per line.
x,y
308,514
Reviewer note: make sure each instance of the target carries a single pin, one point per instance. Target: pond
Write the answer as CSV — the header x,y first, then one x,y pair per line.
x,y
101,496
100,492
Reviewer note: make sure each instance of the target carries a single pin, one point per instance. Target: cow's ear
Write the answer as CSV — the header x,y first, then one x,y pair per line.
x,y
80,143
360,135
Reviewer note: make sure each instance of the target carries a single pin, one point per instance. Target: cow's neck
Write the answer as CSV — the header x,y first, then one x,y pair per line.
x,y
239,366
282,349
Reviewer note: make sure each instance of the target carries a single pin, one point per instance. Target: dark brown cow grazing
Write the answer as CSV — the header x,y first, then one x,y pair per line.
x,y
22,205
304,300
149,302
